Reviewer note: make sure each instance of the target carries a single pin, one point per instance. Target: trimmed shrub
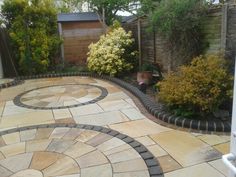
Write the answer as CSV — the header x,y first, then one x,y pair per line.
x,y
199,88
111,54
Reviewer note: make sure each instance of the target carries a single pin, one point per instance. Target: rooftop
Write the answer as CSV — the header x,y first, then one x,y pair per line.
x,y
76,17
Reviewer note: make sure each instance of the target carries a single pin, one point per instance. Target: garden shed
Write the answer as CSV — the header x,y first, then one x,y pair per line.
x,y
78,30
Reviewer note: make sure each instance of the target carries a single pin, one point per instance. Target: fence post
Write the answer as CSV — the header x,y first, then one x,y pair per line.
x,y
139,43
154,45
62,45
1,68
224,27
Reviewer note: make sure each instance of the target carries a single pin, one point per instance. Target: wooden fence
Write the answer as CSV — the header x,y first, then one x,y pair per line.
x,y
9,69
219,29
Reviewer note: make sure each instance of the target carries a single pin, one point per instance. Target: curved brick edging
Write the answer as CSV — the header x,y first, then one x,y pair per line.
x,y
151,106
152,163
15,82
17,99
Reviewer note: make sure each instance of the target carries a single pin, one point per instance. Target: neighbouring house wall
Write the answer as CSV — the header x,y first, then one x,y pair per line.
x,y
219,30
76,38
231,32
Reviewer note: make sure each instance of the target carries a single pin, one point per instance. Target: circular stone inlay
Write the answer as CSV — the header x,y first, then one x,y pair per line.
x,y
60,96
28,173
55,150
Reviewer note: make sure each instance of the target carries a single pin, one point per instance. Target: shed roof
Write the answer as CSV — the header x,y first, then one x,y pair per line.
x,y
77,17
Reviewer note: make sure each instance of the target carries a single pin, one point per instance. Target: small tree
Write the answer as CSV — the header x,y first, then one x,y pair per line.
x,y
32,26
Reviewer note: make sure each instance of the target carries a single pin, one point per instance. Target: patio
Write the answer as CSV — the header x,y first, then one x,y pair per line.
x,y
95,151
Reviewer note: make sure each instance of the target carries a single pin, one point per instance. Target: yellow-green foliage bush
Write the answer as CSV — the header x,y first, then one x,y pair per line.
x,y
109,54
200,87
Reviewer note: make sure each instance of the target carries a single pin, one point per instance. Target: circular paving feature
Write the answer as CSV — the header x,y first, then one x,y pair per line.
x,y
73,150
61,96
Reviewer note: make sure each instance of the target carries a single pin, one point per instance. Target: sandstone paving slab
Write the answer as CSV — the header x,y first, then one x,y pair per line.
x,y
11,138
156,150
43,133
133,114
117,149
2,156
58,145
74,175
63,166
18,162
37,145
220,166
27,135
214,139
114,105
28,173
31,118
42,160
72,134
86,135
61,113
137,165
59,132
132,174
145,140
110,144
224,148
79,149
102,170
13,149
113,89
102,119
131,102
125,155
168,164
2,105
13,109
65,121
5,172
99,139
201,170
185,148
86,110
115,97
139,128
2,142
93,158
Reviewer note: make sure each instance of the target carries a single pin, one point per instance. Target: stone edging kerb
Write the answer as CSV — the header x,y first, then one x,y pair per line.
x,y
17,99
15,82
153,165
151,106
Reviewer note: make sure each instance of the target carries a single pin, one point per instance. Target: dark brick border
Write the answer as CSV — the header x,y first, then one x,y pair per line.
x,y
152,163
151,106
17,99
15,82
